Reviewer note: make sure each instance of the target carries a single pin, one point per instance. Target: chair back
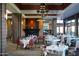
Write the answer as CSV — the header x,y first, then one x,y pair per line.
x,y
73,42
31,42
66,53
34,39
18,41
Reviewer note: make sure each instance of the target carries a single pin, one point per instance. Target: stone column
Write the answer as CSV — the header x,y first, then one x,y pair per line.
x,y
23,26
76,26
0,29
54,26
64,24
16,26
3,29
50,26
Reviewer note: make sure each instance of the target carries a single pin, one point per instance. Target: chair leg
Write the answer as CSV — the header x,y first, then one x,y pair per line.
x,y
17,47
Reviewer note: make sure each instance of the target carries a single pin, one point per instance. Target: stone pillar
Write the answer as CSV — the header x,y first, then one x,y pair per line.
x,y
76,26
9,29
50,26
54,26
23,26
64,24
3,29
16,26
0,29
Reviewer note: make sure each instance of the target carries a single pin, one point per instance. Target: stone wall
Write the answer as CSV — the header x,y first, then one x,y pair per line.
x,y
3,29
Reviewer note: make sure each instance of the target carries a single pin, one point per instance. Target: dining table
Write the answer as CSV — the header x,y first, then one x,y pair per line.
x,y
77,44
72,38
25,41
60,48
52,39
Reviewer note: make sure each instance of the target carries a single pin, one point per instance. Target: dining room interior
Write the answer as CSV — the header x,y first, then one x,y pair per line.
x,y
39,29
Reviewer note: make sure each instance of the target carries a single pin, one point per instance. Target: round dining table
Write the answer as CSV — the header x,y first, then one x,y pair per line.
x,y
52,39
25,41
60,48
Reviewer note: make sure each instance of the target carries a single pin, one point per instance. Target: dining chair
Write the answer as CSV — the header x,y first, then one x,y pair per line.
x,y
76,53
41,38
43,50
35,40
66,52
18,43
73,43
31,44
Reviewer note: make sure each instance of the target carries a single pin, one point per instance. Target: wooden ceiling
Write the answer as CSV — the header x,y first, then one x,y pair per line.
x,y
40,14
36,6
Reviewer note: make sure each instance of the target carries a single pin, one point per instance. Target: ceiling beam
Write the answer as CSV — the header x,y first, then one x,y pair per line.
x,y
37,14
37,7
40,14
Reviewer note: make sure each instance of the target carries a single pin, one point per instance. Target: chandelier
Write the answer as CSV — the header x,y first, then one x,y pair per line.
x,y
43,10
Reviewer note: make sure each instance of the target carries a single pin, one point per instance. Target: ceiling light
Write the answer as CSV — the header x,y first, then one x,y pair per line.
x,y
43,10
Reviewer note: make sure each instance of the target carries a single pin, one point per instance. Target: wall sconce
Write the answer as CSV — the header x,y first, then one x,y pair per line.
x,y
32,24
41,23
11,23
6,16
22,22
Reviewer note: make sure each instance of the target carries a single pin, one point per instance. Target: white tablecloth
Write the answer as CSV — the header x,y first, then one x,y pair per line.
x,y
77,44
70,38
52,39
54,42
59,48
25,41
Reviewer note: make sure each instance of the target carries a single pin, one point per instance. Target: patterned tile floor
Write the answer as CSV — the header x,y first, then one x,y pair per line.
x,y
12,51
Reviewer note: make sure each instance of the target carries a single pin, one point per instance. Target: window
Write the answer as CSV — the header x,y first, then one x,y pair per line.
x,y
73,21
46,26
60,29
59,21
68,21
59,26
73,28
78,27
